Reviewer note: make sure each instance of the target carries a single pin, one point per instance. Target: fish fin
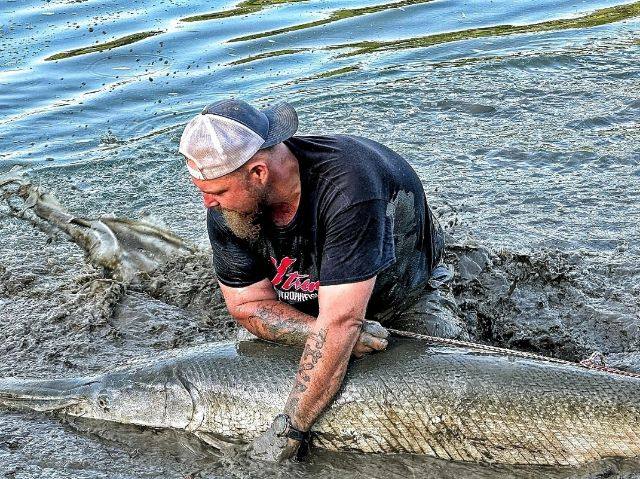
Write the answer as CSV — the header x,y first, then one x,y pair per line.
x,y
14,175
216,441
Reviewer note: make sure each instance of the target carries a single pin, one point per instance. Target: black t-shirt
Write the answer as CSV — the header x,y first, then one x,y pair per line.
x,y
362,212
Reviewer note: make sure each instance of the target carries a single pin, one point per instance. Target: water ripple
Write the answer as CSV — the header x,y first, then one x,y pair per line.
x,y
599,17
118,42
334,17
243,8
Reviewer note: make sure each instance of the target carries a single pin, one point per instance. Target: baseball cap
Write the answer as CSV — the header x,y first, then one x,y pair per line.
x,y
226,134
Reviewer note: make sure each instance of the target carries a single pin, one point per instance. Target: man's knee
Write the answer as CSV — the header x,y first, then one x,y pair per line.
x,y
433,312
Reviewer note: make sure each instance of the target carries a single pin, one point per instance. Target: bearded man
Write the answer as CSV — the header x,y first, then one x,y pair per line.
x,y
310,235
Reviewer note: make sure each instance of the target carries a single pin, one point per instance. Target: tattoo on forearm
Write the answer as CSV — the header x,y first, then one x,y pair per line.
x,y
311,353
310,356
280,326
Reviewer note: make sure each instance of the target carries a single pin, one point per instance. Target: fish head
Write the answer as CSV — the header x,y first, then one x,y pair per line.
x,y
143,399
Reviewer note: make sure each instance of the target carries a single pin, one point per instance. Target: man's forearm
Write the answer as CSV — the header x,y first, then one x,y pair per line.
x,y
322,369
274,320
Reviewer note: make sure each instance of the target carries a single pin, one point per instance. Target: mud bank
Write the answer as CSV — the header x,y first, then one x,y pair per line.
x,y
67,319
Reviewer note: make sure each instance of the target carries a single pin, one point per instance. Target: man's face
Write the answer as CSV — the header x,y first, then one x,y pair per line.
x,y
240,201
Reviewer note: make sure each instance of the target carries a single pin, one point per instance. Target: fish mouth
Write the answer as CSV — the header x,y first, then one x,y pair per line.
x,y
43,395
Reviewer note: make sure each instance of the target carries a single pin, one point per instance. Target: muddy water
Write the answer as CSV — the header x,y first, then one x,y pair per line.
x,y
521,119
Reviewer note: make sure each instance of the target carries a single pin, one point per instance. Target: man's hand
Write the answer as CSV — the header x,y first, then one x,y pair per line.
x,y
372,338
273,448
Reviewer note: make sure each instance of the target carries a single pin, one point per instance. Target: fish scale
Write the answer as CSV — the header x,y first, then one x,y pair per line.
x,y
448,402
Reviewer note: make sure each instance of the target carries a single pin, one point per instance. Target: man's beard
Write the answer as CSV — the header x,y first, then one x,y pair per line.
x,y
247,225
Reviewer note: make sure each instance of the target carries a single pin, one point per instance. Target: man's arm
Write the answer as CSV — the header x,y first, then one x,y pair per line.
x,y
323,364
327,351
257,308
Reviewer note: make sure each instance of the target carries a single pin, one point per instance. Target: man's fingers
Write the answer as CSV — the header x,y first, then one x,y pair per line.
x,y
372,338
374,328
373,342
360,350
360,353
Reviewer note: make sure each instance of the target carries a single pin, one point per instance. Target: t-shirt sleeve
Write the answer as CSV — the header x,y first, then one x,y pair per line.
x,y
358,243
236,262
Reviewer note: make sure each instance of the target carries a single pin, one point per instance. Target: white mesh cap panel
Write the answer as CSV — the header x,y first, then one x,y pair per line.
x,y
218,145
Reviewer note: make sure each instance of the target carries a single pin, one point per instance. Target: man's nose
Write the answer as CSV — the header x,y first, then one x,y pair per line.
x,y
210,200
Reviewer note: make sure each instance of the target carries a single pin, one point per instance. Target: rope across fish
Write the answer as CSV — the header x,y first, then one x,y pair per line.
x,y
508,352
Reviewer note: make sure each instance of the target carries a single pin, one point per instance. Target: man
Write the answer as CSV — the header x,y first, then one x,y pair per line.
x,y
310,235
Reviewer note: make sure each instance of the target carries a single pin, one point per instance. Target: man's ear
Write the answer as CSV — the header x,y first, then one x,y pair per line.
x,y
259,171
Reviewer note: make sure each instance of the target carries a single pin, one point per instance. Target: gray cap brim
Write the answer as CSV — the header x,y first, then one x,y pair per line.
x,y
283,123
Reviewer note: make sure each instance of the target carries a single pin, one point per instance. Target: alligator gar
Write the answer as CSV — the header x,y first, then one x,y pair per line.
x,y
451,403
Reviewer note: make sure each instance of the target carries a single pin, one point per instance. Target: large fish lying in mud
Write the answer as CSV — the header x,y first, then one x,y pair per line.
x,y
451,403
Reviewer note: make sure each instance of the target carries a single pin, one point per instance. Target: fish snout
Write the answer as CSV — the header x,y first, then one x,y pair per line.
x,y
44,395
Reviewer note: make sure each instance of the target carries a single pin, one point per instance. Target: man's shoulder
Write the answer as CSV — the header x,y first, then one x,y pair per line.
x,y
350,167
341,154
338,144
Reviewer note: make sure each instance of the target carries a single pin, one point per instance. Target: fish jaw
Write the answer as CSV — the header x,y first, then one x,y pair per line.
x,y
60,395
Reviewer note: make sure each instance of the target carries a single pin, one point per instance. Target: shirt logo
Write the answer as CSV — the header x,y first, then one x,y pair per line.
x,y
291,285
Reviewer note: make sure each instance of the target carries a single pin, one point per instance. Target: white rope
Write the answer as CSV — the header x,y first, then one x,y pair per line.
x,y
587,364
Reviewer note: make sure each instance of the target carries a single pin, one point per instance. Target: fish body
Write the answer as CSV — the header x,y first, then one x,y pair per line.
x,y
450,403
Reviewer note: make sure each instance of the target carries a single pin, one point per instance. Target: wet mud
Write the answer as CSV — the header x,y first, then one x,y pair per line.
x,y
549,302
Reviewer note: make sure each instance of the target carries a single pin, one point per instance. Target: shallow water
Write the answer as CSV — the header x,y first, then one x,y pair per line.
x,y
521,118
